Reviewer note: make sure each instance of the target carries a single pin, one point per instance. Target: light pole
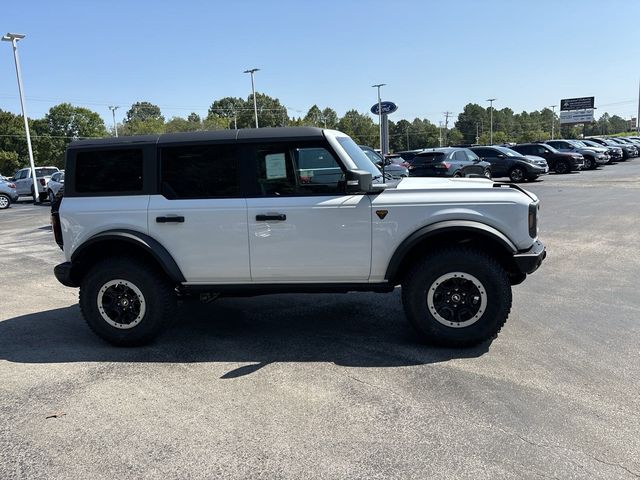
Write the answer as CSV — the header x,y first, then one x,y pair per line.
x,y
253,89
491,100
553,121
380,124
113,112
14,38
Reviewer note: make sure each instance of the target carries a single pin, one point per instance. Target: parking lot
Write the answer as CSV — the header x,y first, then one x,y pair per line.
x,y
335,386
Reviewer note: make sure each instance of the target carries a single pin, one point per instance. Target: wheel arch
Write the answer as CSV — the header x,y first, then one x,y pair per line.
x,y
453,232
119,242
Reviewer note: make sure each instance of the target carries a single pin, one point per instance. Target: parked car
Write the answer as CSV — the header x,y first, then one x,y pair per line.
x,y
615,153
455,248
394,171
559,162
592,157
55,183
447,162
632,149
24,183
627,150
8,193
509,163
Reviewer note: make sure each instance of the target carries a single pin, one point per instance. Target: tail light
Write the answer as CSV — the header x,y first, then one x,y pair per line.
x,y
443,165
42,182
11,185
410,167
405,164
533,219
57,229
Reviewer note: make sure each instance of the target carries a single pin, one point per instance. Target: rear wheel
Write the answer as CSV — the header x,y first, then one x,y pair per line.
x,y
516,174
125,301
457,175
458,297
5,201
487,173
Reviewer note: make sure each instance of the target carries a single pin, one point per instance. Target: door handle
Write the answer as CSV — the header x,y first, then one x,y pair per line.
x,y
265,218
170,219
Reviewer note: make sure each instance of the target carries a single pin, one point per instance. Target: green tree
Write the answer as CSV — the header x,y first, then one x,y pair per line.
x,y
150,126
9,163
271,113
142,112
330,118
471,122
314,117
360,127
179,124
228,108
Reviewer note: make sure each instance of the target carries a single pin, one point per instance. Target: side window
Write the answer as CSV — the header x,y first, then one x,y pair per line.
x,y
460,155
55,177
541,150
472,157
284,169
109,171
202,171
485,152
20,174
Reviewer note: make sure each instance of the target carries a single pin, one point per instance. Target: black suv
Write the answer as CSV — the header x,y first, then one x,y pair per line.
x,y
447,162
557,161
509,163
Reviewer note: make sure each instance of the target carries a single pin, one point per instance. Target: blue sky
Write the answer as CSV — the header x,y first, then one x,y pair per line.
x,y
434,55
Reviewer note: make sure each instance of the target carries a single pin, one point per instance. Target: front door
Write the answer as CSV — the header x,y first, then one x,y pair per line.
x,y
23,182
303,228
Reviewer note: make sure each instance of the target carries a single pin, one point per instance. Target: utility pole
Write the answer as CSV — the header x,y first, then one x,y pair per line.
x,y
440,133
477,133
491,100
14,38
253,89
407,132
446,125
113,112
553,121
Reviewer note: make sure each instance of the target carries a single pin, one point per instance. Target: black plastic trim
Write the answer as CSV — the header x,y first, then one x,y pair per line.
x,y
63,274
441,227
159,253
529,260
268,289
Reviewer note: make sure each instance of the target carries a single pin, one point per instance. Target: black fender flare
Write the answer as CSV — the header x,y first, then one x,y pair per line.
x,y
438,228
150,245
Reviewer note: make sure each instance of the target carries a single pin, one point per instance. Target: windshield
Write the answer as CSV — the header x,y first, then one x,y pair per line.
x,y
589,143
553,150
508,152
45,172
373,156
359,157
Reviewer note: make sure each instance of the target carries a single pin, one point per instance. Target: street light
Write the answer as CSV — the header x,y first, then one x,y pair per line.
x,y
491,100
553,120
14,38
380,124
253,89
115,125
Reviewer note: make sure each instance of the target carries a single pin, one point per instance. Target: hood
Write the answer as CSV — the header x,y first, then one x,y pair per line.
x,y
426,183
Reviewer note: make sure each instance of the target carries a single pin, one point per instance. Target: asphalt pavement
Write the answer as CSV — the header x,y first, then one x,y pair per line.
x,y
335,386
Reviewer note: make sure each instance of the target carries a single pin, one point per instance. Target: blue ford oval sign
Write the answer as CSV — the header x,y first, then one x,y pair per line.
x,y
386,107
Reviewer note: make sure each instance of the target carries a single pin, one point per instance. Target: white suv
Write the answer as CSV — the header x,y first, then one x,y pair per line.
x,y
246,212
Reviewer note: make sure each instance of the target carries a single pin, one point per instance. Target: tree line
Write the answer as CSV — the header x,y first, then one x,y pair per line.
x,y
65,122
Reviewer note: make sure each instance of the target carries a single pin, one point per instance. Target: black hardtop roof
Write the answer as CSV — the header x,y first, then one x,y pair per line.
x,y
249,134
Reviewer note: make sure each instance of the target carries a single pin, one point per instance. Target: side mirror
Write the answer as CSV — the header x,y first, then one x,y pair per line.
x,y
358,181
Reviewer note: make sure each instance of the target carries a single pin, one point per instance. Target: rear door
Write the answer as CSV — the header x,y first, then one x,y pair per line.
x,y
200,215
23,182
303,227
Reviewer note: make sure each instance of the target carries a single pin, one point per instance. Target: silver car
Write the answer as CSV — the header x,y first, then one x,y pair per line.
x,y
24,183
8,194
56,182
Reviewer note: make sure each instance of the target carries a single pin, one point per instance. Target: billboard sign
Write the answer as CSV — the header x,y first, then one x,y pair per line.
x,y
576,116
581,103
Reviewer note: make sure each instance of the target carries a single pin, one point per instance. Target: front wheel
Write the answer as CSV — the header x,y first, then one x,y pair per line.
x,y
487,173
517,174
5,201
589,163
562,167
126,302
459,297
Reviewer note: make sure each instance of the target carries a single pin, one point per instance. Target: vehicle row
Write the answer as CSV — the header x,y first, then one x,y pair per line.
x,y
518,162
49,180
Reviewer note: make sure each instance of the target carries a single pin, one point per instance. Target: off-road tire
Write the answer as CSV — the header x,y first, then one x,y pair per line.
x,y
159,300
517,174
472,263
